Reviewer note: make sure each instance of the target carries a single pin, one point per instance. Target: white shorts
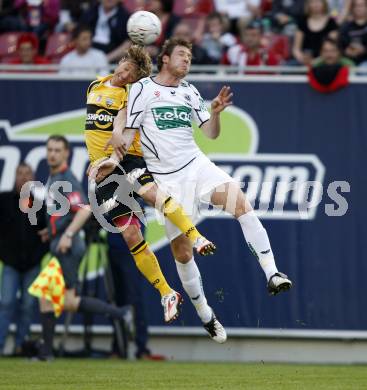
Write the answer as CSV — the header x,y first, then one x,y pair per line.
x,y
190,187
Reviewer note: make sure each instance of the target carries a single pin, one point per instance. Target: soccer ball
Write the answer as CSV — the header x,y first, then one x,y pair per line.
x,y
143,27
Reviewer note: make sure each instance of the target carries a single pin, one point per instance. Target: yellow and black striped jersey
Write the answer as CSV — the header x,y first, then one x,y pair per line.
x,y
103,103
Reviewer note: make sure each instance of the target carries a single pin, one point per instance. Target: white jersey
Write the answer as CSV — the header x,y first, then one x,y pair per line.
x,y
163,116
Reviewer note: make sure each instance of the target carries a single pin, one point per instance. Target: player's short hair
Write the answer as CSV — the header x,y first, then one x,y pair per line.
x,y
59,138
138,56
168,47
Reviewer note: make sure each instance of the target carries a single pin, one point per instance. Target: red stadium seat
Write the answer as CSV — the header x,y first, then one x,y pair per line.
x,y
8,45
58,44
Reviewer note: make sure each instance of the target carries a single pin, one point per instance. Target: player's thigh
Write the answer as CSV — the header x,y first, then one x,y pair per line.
x,y
115,196
230,197
208,177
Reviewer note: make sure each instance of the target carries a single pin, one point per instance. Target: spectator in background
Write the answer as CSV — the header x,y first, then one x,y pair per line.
x,y
330,71
285,14
313,28
240,12
70,13
340,9
199,54
164,10
10,20
216,40
107,20
353,34
250,51
332,54
27,50
84,56
40,16
21,250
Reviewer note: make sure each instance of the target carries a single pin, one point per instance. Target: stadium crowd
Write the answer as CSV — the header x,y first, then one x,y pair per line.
x,y
239,33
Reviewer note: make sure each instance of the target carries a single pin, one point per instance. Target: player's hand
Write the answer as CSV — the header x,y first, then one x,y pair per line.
x,y
64,244
222,101
117,142
102,169
43,234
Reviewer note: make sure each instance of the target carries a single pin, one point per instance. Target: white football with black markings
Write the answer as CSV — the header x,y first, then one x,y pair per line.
x,y
144,27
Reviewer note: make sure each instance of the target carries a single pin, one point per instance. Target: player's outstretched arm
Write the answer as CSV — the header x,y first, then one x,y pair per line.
x,y
211,128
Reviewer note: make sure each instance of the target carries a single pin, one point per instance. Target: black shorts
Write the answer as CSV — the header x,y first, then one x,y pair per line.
x,y
69,261
118,190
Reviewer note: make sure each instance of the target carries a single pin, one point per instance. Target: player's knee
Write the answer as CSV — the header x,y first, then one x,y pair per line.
x,y
182,250
149,193
243,206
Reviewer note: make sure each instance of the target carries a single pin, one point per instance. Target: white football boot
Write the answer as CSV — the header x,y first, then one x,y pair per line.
x,y
171,305
279,282
216,330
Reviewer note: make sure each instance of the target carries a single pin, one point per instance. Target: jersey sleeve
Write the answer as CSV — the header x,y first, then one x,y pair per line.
x,y
135,106
200,112
91,85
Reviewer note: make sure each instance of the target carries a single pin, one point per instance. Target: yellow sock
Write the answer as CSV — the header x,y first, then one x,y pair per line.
x,y
148,265
176,214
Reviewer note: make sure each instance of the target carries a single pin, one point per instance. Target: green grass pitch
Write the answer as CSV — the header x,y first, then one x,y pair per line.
x,y
75,374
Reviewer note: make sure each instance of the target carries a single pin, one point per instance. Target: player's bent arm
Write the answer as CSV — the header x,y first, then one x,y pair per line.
x,y
118,126
128,136
119,122
211,128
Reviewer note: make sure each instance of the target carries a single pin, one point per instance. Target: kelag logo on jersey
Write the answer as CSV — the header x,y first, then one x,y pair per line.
x,y
172,117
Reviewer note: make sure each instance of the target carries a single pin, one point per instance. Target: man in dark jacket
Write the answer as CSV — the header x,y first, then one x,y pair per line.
x,y
21,250
108,22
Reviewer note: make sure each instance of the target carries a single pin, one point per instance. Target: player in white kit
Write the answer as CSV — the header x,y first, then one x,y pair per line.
x,y
161,108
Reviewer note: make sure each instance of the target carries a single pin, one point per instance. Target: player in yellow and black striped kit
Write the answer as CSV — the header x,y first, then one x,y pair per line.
x,y
106,100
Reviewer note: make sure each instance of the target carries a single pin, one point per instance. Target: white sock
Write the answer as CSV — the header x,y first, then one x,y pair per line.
x,y
191,281
258,242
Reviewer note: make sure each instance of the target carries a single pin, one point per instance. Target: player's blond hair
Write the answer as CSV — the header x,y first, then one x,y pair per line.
x,y
138,56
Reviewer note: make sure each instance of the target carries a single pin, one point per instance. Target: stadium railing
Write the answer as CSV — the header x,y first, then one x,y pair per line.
x,y
197,73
